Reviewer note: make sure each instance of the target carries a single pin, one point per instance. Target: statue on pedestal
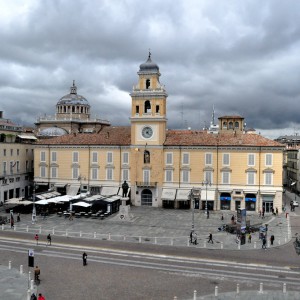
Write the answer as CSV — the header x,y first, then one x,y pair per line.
x,y
125,188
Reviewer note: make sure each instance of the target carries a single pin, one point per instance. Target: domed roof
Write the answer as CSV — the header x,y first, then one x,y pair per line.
x,y
149,65
53,131
73,98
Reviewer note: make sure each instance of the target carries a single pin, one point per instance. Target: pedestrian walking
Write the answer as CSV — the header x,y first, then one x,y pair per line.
x,y
264,243
263,214
36,237
191,237
207,214
41,297
222,217
249,237
33,297
84,258
276,211
272,238
49,239
232,219
210,239
18,217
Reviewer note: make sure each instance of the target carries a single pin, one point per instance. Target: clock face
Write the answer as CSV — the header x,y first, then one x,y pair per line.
x,y
147,132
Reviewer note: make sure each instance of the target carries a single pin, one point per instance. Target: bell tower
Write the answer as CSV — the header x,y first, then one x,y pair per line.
x,y
148,112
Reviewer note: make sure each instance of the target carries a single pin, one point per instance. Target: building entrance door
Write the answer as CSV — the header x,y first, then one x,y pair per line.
x,y
268,206
146,197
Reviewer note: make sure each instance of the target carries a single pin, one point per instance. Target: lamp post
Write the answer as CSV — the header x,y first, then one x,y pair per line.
x,y
191,197
33,217
206,183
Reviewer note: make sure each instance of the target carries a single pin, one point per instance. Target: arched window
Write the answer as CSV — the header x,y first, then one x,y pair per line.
x,y
224,124
146,157
147,84
230,125
147,106
236,125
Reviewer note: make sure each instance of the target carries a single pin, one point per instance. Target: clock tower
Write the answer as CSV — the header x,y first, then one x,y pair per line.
x,y
148,112
148,134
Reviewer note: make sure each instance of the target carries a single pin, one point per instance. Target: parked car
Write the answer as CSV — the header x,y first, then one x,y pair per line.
x,y
295,203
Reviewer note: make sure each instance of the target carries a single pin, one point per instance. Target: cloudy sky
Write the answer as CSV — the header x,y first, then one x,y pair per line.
x,y
243,57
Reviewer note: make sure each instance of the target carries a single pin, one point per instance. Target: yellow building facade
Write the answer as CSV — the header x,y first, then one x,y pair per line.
x,y
226,169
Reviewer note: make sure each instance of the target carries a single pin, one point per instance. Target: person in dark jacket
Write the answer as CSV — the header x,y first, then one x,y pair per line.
x,y
84,258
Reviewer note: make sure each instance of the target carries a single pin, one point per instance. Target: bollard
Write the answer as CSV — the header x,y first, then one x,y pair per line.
x,y
237,288
284,288
53,231
27,229
172,242
28,294
216,291
286,215
188,242
21,269
221,245
279,241
80,233
195,295
31,284
29,275
140,239
2,226
261,288
155,240
9,265
109,237
40,229
239,245
254,245
95,235
204,244
15,227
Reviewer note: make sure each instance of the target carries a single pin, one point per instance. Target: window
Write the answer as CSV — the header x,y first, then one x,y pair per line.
x,y
4,168
11,152
147,107
18,166
147,84
169,158
146,157
230,125
146,176
225,177
26,166
94,173
208,176
268,178
109,174
226,159
185,176
125,174
43,171
208,158
236,125
251,178
125,158
75,158
169,175
269,159
157,109
75,171
185,158
11,167
251,159
137,109
4,152
94,157
43,156
53,172
109,157
53,156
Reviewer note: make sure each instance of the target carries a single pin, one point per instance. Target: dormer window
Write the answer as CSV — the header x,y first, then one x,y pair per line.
x,y
147,84
147,106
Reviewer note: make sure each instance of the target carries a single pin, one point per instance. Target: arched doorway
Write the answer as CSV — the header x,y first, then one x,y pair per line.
x,y
146,197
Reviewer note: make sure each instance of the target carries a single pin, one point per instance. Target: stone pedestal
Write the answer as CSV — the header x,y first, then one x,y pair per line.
x,y
124,211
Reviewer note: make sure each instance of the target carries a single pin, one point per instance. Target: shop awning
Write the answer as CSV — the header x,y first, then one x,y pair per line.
x,y
73,190
210,195
109,190
41,202
182,194
60,185
168,194
225,198
250,199
27,137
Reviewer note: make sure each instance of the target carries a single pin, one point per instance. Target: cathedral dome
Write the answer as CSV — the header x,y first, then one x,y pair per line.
x,y
73,98
52,131
149,65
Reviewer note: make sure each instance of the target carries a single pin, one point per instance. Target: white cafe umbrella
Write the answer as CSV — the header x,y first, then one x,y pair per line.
x,y
83,204
41,202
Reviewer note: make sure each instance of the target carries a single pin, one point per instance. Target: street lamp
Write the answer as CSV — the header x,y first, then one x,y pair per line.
x,y
206,183
33,217
193,193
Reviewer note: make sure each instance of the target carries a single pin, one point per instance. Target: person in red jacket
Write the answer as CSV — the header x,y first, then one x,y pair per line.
x,y
41,297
